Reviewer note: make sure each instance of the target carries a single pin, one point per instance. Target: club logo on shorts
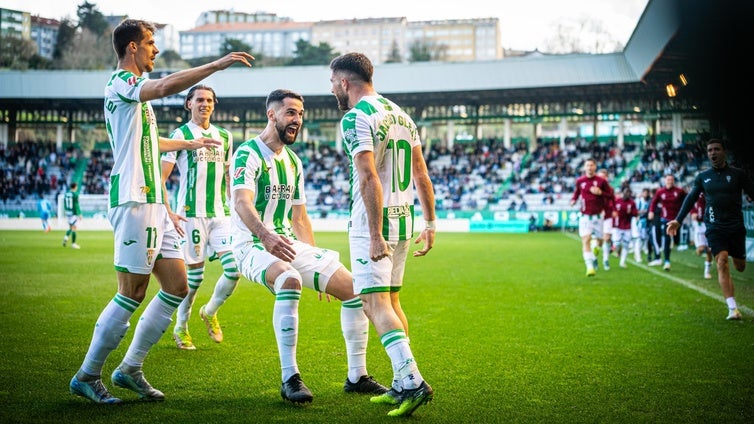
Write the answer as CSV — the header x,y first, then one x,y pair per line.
x,y
196,250
150,256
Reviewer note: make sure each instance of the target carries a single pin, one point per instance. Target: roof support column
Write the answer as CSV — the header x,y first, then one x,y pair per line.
x,y
563,130
507,133
621,131
677,126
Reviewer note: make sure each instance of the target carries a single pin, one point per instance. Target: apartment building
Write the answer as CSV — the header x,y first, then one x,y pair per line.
x,y
44,32
458,40
274,36
15,23
374,37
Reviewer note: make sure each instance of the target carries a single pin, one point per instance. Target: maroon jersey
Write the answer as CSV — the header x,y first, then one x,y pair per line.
x,y
698,208
670,201
609,202
626,209
592,204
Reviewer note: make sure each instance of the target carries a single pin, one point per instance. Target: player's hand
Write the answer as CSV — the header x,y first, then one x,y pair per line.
x,y
428,236
204,142
595,190
177,222
673,227
279,246
378,249
234,57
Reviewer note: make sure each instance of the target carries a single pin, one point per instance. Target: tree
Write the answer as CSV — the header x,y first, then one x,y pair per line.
x,y
584,35
395,54
420,52
86,45
170,59
89,52
15,52
92,19
66,33
307,54
234,45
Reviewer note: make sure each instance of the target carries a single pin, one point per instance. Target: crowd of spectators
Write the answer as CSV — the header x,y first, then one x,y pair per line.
x,y
32,170
469,176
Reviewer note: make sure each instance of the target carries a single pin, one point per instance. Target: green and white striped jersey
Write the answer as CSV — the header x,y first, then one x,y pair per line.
x,y
377,124
134,139
277,181
202,187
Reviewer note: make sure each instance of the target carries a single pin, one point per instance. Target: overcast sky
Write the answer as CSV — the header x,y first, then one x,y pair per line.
x,y
525,24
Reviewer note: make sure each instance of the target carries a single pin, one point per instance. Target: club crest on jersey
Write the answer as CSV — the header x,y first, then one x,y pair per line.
x,y
727,177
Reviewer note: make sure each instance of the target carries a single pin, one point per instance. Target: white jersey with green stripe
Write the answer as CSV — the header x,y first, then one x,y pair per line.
x,y
277,181
134,139
377,124
202,186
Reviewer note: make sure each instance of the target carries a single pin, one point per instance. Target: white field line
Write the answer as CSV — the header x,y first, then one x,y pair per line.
x,y
686,283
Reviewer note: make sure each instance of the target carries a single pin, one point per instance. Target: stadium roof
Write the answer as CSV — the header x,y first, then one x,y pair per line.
x,y
661,47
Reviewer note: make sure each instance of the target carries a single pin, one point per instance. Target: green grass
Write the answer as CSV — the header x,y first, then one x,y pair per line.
x,y
505,327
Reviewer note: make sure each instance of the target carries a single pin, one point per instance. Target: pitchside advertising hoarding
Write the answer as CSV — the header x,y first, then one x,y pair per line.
x,y
559,220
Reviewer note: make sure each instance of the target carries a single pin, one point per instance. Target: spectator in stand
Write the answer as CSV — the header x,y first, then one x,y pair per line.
x,y
667,201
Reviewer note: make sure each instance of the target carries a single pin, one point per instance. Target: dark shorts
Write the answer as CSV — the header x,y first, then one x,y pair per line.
x,y
732,241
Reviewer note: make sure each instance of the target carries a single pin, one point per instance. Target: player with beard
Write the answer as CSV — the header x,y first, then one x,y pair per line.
x,y
723,187
273,243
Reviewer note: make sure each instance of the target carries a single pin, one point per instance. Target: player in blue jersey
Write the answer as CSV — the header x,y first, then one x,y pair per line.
x,y
44,207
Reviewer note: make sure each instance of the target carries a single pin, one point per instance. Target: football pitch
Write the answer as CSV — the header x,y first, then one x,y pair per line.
x,y
505,327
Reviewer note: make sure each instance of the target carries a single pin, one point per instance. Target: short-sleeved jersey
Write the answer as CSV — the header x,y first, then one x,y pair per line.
x,y
202,186
592,204
378,125
44,206
723,190
132,130
668,200
71,203
626,209
609,200
642,206
277,181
